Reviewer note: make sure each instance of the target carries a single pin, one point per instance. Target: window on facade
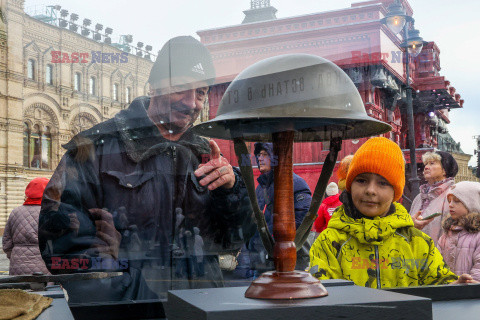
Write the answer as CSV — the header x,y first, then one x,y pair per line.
x,y
31,69
77,81
26,150
34,160
115,92
376,98
49,74
128,94
37,147
46,148
93,86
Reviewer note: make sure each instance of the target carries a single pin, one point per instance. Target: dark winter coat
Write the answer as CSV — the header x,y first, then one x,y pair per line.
x,y
20,241
147,183
265,192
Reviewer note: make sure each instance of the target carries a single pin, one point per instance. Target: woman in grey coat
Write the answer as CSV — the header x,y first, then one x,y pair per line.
x,y
20,239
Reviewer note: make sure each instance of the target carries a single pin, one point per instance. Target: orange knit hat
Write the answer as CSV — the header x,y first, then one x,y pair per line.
x,y
383,157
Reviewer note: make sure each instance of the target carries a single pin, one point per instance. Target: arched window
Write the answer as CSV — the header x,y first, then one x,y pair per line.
x,y
49,74
46,148
26,150
376,97
77,80
37,147
31,69
128,94
115,92
93,86
34,148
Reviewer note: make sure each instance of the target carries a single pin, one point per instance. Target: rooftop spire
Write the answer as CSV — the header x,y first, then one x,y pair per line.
x,y
260,10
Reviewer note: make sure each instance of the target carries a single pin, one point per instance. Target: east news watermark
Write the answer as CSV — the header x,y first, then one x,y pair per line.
x,y
393,57
89,57
90,264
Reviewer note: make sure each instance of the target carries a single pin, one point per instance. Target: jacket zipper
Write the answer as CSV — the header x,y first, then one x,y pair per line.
x,y
377,268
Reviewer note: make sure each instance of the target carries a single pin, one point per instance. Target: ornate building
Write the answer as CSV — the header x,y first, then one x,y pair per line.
x,y
355,40
448,144
44,100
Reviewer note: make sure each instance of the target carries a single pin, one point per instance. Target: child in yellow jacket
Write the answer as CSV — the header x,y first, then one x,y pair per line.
x,y
370,239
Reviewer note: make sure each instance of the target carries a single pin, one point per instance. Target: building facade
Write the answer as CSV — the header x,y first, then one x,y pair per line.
x,y
355,39
54,82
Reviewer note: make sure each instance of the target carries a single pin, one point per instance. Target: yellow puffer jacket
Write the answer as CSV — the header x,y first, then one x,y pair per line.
x,y
378,253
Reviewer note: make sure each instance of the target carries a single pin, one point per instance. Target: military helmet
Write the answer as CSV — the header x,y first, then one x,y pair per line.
x,y
300,92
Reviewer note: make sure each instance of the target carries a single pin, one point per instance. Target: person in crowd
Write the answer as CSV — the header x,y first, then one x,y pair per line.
x,y
342,171
198,253
302,195
439,172
328,206
253,259
20,237
342,176
145,176
460,243
371,239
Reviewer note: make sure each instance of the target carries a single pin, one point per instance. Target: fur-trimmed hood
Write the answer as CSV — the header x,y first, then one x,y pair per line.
x,y
469,223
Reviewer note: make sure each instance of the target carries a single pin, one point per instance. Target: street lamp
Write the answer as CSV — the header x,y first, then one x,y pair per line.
x,y
396,20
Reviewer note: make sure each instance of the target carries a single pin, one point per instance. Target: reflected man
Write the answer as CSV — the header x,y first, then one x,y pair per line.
x,y
127,186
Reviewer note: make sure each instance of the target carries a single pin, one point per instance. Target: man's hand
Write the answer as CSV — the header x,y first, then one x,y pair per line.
x,y
418,222
464,278
218,171
106,232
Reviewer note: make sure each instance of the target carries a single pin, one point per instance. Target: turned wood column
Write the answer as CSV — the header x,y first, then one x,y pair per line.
x,y
284,252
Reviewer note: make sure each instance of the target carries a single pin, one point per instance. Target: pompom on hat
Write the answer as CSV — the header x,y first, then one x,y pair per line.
x,y
381,156
332,189
343,170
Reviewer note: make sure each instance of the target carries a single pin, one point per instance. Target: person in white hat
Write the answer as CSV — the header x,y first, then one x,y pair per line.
x,y
328,206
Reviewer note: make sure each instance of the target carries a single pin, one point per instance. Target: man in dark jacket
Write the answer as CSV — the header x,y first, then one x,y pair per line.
x,y
266,160
130,192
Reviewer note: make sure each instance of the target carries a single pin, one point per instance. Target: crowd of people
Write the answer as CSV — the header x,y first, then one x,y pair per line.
x,y
142,193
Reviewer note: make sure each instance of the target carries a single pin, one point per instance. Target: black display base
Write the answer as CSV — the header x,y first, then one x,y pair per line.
x,y
344,301
442,293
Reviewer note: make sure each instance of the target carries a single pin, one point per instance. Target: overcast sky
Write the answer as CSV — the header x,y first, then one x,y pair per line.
x,y
452,25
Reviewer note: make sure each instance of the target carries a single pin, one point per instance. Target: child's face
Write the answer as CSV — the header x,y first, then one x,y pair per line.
x,y
457,208
372,194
